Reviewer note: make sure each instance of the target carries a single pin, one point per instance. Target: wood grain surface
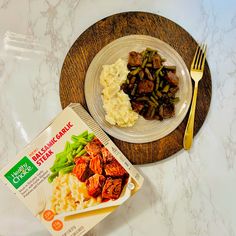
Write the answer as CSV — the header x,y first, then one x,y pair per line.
x,y
91,41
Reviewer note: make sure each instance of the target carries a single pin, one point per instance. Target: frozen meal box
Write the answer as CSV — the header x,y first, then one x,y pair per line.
x,y
71,176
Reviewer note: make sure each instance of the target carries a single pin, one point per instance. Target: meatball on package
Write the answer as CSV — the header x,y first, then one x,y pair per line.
x,y
72,175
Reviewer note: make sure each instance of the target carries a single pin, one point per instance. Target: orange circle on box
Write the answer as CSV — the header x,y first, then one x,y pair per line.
x,y
57,225
48,215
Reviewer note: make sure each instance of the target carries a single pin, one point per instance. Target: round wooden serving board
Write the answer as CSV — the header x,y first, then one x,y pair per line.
x,y
91,41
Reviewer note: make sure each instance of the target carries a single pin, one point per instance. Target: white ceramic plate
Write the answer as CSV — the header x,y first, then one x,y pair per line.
x,y
144,130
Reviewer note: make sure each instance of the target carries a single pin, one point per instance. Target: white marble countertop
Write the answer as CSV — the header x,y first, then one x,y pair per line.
x,y
193,193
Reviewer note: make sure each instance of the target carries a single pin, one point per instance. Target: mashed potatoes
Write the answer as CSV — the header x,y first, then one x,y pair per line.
x,y
115,102
70,194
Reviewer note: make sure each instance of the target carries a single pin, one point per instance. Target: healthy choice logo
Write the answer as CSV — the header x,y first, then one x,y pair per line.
x,y
21,172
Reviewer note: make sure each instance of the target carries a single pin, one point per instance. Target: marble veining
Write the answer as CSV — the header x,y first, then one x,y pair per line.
x,y
191,193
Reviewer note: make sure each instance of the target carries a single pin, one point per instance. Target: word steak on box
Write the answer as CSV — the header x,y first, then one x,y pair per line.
x,y
72,175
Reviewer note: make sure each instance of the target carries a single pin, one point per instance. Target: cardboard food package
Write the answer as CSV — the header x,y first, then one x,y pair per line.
x,y
71,176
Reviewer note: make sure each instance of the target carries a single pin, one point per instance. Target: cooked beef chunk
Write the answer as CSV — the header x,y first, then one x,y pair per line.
x,y
172,78
81,169
145,86
94,184
106,155
96,164
173,91
156,61
137,106
114,169
135,59
150,113
112,188
132,80
94,147
168,111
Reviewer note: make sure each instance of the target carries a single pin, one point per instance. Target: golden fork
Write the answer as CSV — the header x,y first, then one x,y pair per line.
x,y
196,73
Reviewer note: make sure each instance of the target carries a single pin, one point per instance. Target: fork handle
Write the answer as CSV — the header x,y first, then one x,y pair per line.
x,y
188,135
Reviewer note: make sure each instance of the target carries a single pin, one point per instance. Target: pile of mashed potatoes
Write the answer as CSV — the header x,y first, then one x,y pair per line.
x,y
115,102
69,194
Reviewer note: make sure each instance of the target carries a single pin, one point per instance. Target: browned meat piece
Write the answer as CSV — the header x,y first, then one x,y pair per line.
x,y
135,59
81,169
173,91
145,86
94,184
172,78
114,169
93,147
137,106
149,115
112,189
96,164
168,111
156,61
107,156
132,80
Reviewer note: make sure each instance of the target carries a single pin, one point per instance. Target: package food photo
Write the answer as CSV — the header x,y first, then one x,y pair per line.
x,y
71,176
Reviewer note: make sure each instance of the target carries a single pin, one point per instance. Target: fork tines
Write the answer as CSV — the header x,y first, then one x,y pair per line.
x,y
199,57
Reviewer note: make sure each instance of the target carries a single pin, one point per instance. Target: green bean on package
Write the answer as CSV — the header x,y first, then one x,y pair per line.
x,y
64,161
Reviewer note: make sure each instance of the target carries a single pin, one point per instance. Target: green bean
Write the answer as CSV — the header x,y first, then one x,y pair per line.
x,y
52,177
161,84
82,141
149,65
70,156
144,63
59,167
134,89
67,169
154,100
152,103
83,135
90,137
75,145
74,138
67,146
158,71
166,88
152,112
148,73
63,159
82,152
142,99
79,149
154,95
136,71
151,54
170,67
151,50
59,163
157,83
174,100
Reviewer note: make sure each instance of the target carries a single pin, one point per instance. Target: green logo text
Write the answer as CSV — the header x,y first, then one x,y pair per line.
x,y
21,172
